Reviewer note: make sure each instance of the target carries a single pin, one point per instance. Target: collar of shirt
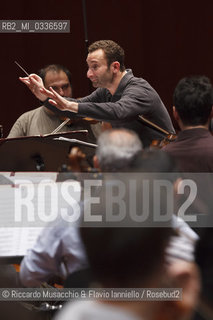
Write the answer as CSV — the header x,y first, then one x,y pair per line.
x,y
126,78
196,132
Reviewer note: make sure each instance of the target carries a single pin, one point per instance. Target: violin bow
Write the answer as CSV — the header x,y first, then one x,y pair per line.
x,y
61,125
155,126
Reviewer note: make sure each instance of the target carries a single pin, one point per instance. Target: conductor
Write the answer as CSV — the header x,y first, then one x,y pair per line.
x,y
119,98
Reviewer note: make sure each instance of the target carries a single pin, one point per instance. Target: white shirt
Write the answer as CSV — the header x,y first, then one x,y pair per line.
x,y
91,310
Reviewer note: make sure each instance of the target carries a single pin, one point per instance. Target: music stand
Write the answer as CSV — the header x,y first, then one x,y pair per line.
x,y
40,153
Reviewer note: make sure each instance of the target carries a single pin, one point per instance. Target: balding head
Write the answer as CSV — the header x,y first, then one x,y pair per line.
x,y
117,149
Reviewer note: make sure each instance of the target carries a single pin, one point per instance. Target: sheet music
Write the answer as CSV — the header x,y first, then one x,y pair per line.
x,y
17,236
16,241
77,141
34,177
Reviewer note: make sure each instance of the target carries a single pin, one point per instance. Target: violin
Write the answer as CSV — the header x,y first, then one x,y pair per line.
x,y
158,144
74,120
77,161
169,137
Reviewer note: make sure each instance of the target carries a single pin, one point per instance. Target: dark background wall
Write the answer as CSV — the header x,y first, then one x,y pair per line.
x,y
163,41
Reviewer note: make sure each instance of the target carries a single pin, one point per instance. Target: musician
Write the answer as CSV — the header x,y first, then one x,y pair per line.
x,y
135,258
193,149
116,150
58,249
42,120
119,98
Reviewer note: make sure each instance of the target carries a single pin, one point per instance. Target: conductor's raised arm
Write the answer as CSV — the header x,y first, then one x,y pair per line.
x,y
34,83
58,101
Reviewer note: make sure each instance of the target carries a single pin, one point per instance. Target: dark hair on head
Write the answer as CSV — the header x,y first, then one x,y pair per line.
x,y
55,68
154,161
125,257
112,50
193,99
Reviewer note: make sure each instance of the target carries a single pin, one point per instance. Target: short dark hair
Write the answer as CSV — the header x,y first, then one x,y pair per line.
x,y
193,99
57,68
155,161
125,257
112,50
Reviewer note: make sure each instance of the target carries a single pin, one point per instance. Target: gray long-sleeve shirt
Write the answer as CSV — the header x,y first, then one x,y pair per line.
x,y
133,97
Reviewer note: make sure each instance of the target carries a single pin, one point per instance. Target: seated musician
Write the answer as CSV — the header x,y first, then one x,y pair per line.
x,y
128,257
42,120
193,148
59,251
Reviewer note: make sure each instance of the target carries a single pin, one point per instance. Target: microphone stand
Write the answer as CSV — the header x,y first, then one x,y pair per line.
x,y
86,37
